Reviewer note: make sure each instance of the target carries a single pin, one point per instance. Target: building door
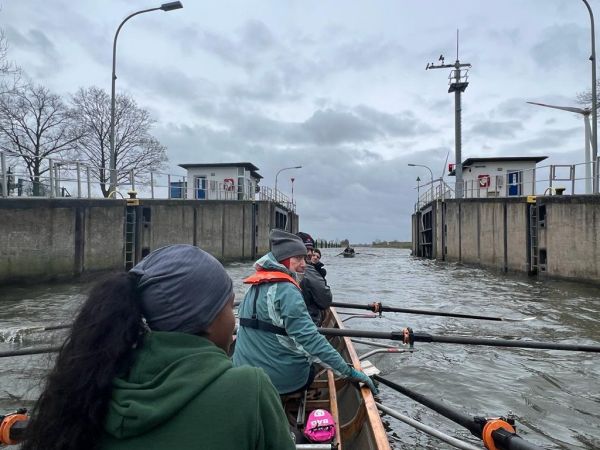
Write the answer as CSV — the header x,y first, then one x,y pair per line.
x,y
514,183
200,185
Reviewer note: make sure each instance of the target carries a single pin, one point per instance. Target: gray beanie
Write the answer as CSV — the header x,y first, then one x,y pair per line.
x,y
285,245
181,288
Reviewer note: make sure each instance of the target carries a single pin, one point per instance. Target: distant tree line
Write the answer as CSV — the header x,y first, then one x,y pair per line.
x,y
36,124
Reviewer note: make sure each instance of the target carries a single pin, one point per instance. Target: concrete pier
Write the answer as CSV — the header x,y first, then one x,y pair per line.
x,y
548,236
45,239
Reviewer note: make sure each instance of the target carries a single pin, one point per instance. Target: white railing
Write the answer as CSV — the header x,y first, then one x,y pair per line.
x,y
65,178
555,179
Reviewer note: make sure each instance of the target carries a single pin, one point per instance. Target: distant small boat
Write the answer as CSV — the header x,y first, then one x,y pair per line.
x,y
349,254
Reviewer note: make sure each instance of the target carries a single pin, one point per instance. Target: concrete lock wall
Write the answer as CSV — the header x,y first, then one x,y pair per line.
x,y
498,233
570,237
45,239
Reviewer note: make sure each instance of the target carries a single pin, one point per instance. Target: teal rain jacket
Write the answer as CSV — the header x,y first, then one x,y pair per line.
x,y
286,359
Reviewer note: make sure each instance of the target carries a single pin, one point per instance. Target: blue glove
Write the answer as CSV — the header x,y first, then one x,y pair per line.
x,y
361,377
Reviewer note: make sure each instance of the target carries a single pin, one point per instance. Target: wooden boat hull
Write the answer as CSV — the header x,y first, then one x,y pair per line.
x,y
348,255
359,425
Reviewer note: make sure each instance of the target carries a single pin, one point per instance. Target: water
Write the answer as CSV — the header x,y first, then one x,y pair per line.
x,y
554,394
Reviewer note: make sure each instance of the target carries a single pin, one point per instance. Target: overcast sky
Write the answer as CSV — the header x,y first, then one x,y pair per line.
x,y
338,87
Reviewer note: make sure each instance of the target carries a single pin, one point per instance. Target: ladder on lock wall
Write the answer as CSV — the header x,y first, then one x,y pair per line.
x,y
130,225
533,238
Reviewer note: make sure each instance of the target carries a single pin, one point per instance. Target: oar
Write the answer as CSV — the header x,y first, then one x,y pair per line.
x,y
29,351
379,308
407,336
499,431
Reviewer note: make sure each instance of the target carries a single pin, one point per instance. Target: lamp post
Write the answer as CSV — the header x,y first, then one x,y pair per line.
x,y
292,179
418,193
594,102
277,174
113,154
430,172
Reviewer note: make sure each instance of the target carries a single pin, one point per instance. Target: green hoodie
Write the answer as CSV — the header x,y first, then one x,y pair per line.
x,y
183,393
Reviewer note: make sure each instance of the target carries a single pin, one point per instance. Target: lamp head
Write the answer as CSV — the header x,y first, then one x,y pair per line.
x,y
411,165
171,6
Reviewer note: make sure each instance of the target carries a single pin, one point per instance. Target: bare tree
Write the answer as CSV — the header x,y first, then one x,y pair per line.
x,y
584,98
35,124
10,73
136,149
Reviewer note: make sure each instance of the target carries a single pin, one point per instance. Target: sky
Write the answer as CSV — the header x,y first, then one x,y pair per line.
x,y
339,87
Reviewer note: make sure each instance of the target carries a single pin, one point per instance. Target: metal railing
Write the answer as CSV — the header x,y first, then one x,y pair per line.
x,y
76,179
554,179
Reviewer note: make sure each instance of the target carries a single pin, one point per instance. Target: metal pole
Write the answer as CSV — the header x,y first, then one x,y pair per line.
x,y
51,178
78,164
594,100
152,185
113,153
4,177
277,174
89,182
458,143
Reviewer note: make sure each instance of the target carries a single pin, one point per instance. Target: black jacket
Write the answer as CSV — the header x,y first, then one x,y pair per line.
x,y
317,294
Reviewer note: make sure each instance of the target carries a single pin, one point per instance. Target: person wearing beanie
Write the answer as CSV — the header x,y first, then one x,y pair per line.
x,y
317,294
146,366
276,332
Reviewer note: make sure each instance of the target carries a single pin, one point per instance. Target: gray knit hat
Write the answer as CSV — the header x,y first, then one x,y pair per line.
x,y
285,245
181,288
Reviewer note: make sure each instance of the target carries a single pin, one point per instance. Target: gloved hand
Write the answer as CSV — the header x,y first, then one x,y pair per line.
x,y
361,377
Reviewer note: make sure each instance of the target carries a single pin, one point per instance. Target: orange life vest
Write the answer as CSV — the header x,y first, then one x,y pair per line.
x,y
270,276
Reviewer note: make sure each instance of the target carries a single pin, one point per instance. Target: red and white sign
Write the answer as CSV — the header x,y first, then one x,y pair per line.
x,y
484,181
229,184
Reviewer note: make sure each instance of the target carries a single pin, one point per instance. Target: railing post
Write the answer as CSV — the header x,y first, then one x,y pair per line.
x,y
89,183
51,177
57,192
152,185
551,175
572,176
169,186
132,180
533,182
4,176
78,165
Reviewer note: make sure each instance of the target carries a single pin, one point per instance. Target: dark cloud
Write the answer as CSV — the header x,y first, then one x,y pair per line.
x,y
547,142
36,42
497,129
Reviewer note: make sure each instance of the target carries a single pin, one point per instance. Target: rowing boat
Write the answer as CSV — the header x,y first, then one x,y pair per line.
x,y
348,254
359,426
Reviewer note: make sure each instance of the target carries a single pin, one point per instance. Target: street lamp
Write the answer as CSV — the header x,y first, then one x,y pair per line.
x,y
113,155
277,174
594,100
430,172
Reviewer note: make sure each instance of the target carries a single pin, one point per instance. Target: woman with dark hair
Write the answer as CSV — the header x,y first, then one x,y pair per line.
x,y
145,366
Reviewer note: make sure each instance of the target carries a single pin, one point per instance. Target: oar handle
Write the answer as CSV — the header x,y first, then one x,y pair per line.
x,y
501,436
504,439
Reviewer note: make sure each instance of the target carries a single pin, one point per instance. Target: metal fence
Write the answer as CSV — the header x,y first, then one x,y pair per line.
x,y
76,179
555,179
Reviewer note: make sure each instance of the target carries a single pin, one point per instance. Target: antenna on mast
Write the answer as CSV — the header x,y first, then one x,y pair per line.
x,y
458,82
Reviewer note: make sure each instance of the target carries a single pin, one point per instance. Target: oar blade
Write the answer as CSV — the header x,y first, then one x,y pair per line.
x,y
523,319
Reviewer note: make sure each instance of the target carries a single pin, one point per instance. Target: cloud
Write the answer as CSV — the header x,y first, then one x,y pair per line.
x,y
561,45
36,42
497,129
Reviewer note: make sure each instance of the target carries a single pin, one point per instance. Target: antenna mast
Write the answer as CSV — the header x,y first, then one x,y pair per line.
x,y
457,83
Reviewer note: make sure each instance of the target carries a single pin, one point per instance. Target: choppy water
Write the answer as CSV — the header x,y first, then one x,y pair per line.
x,y
554,395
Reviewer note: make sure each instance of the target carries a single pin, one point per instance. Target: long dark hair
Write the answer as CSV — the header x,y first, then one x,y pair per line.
x,y
70,413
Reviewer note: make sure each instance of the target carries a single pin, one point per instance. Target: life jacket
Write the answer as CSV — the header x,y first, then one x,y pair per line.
x,y
256,279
